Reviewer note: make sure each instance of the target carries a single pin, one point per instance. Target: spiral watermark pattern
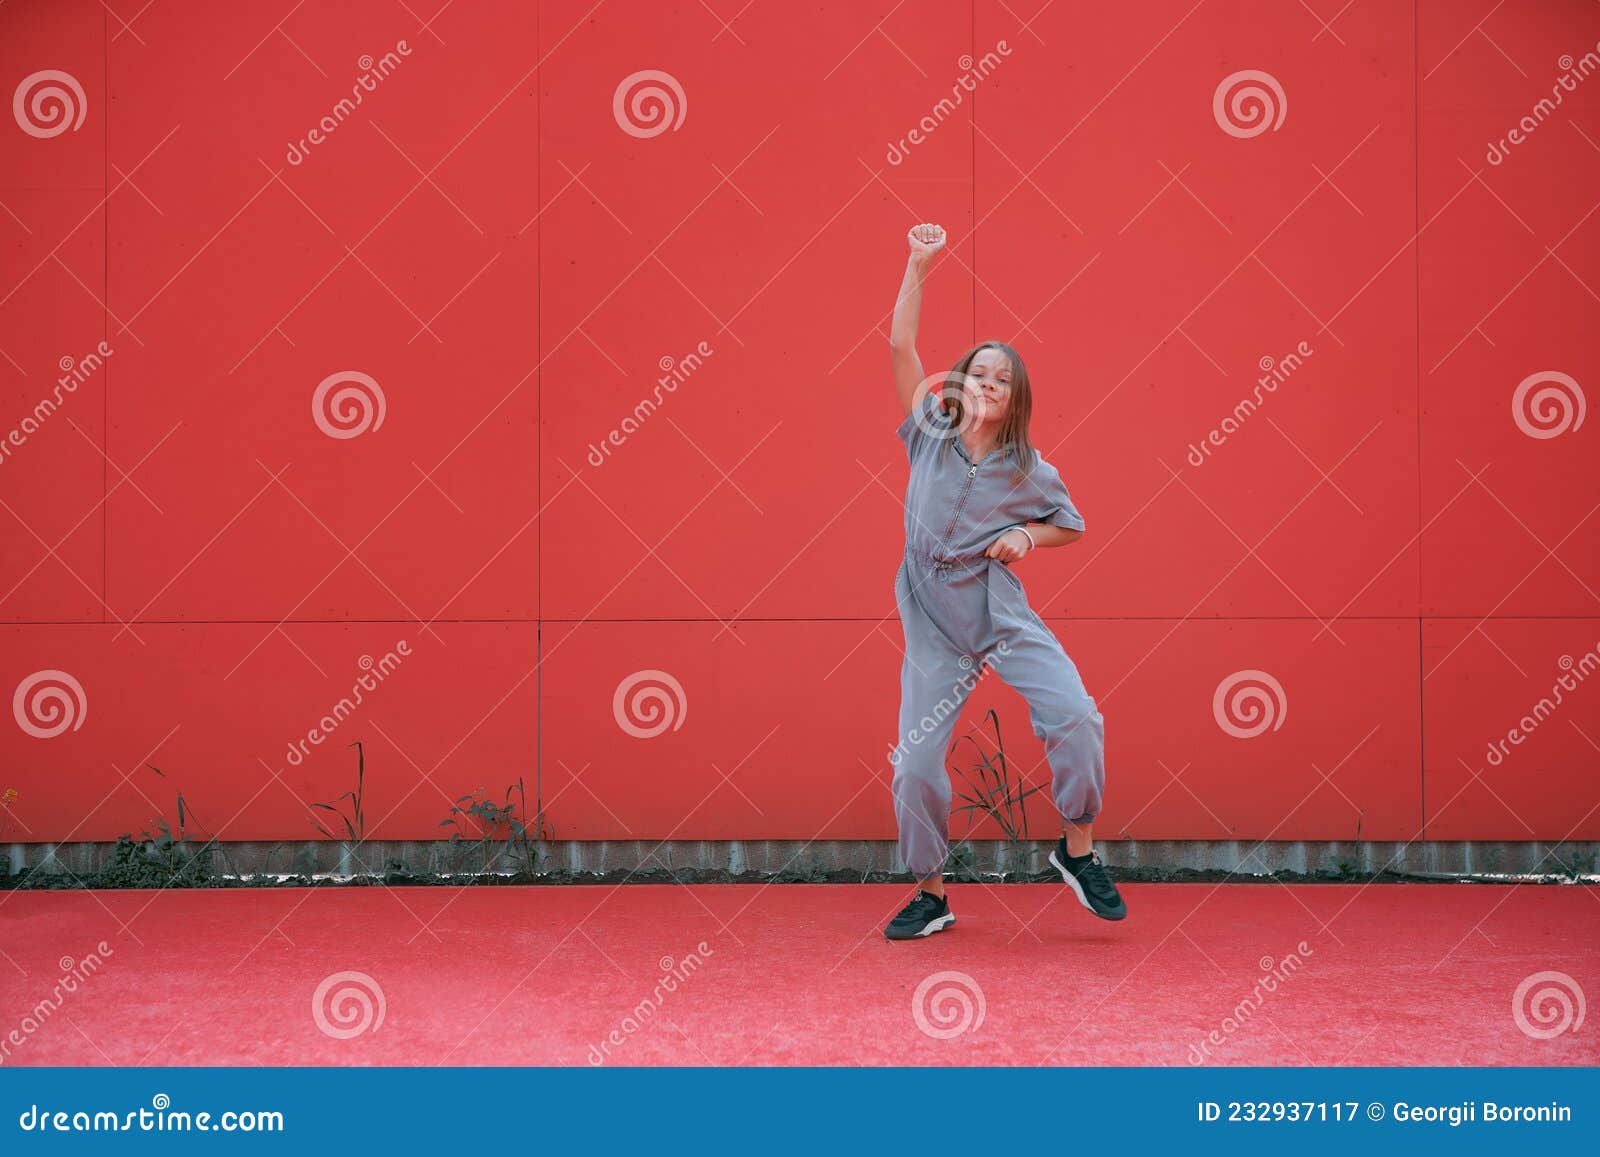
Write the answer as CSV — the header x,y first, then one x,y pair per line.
x,y
348,404
1548,1004
937,423
48,703
947,1004
648,103
649,702
1548,404
1248,103
48,103
348,1004
1248,703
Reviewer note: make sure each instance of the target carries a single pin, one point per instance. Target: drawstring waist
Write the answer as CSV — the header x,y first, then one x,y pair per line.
x,y
950,565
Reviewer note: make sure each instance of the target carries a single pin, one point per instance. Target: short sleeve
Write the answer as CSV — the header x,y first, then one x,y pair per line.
x,y
1053,503
915,427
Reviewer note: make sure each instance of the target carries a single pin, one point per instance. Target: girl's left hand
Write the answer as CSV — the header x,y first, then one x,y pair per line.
x,y
1010,546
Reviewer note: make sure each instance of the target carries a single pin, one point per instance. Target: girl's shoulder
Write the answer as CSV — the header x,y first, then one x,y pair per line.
x,y
926,425
1036,462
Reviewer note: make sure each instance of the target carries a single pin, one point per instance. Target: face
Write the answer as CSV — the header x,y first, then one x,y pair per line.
x,y
988,386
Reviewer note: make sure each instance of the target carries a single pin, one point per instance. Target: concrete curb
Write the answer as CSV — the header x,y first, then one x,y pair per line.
x,y
832,859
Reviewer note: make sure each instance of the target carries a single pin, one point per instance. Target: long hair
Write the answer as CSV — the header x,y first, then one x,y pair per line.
x,y
1014,426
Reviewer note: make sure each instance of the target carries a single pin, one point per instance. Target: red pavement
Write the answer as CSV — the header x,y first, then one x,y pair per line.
x,y
795,974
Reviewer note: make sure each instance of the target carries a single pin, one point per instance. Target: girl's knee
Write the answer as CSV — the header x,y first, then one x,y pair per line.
x,y
920,775
1074,715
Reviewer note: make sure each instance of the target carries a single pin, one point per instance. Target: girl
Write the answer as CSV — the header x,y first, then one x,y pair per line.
x,y
980,498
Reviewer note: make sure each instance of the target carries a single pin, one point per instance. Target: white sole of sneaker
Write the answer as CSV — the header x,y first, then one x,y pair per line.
x,y
938,924
1072,882
1077,888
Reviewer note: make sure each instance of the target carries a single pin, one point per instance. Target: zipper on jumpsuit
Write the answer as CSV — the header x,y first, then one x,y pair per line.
x,y
972,472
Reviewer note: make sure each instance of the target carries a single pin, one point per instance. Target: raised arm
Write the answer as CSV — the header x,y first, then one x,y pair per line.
x,y
925,240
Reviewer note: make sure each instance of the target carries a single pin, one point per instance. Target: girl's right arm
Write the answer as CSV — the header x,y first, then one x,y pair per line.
x,y
925,240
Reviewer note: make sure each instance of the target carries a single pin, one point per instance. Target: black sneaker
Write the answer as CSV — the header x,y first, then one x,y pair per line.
x,y
1087,877
925,915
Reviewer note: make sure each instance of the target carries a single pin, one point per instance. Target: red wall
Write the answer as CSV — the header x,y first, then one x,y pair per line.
x,y
483,239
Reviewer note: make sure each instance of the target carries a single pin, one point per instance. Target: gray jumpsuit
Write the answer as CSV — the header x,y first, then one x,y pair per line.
x,y
963,613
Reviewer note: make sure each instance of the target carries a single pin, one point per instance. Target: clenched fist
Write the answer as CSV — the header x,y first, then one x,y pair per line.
x,y
925,239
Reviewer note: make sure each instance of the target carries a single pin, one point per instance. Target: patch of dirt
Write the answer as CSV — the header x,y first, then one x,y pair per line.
x,y
36,880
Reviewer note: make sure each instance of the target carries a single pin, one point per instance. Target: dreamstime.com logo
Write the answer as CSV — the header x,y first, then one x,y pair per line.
x,y
1274,372
348,1004
48,103
372,72
1249,702
947,1004
674,973
74,974
1575,671
1548,1004
348,404
1573,72
1548,404
1248,103
971,72
674,372
948,705
649,702
373,673
648,103
48,703
1274,975
74,372
156,1119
